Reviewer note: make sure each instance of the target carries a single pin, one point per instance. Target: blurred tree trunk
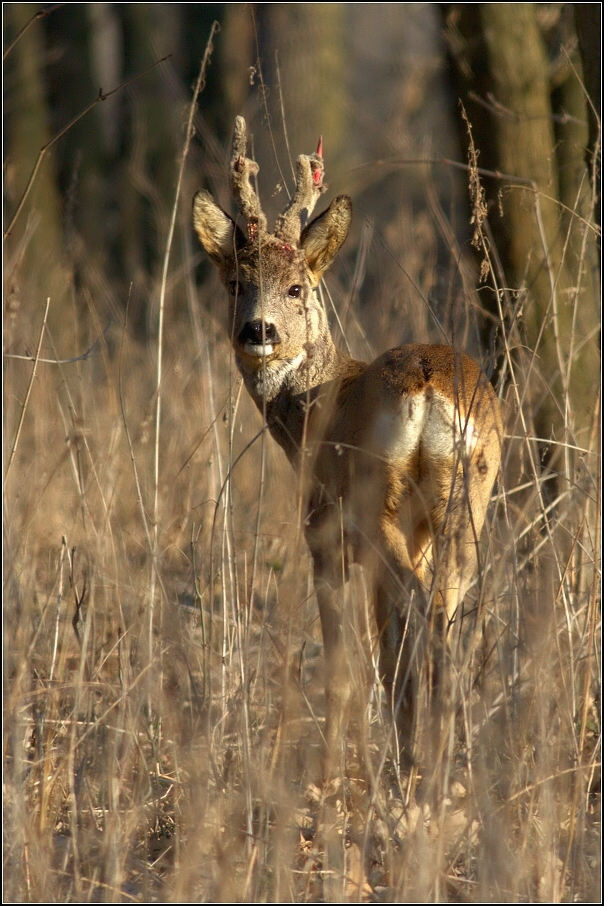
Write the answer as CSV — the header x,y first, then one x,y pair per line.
x,y
236,53
419,275
588,19
547,253
302,55
154,119
37,234
84,160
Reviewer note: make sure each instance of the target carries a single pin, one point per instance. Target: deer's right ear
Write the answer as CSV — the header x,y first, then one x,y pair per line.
x,y
216,231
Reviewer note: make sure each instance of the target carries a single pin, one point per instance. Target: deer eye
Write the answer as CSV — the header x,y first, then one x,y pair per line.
x,y
234,288
295,291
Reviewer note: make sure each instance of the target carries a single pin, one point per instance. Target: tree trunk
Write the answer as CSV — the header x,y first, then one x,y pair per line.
x,y
37,233
545,250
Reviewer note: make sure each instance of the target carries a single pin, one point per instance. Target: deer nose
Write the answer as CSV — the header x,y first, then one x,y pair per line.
x,y
259,333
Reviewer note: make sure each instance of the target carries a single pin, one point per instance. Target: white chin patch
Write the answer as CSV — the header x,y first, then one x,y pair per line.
x,y
265,349
258,351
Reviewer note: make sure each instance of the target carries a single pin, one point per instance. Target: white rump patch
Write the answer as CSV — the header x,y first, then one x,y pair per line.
x,y
432,421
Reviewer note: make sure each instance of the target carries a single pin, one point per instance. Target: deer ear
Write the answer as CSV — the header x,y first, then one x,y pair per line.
x,y
216,231
322,238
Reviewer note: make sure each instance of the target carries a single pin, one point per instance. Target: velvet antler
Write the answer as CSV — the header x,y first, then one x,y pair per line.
x,y
242,170
309,186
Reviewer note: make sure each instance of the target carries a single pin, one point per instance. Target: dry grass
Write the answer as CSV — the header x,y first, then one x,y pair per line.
x,y
162,661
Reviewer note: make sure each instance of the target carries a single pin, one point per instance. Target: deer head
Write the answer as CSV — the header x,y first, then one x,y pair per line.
x,y
277,325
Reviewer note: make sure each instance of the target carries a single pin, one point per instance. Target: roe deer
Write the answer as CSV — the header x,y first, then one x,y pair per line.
x,y
399,455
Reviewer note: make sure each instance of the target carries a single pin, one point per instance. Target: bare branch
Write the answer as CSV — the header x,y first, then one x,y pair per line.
x,y
102,96
40,14
78,358
28,393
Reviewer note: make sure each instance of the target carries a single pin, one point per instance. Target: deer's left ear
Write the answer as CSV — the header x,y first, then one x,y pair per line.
x,y
322,239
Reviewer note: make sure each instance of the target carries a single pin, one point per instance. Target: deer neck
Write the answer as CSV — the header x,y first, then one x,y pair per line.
x,y
299,409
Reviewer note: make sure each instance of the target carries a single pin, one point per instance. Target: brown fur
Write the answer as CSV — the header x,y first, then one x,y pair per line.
x,y
400,454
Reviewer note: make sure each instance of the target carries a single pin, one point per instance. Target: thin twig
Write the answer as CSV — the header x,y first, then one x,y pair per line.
x,y
200,83
102,96
514,180
137,481
28,393
40,14
77,358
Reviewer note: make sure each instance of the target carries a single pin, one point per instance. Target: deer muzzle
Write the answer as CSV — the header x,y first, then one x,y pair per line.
x,y
259,339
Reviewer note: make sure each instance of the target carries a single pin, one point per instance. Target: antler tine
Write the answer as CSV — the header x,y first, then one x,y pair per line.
x,y
309,186
242,169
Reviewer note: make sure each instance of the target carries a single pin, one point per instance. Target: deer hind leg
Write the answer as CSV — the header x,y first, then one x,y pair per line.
x,y
400,609
397,661
458,518
430,559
